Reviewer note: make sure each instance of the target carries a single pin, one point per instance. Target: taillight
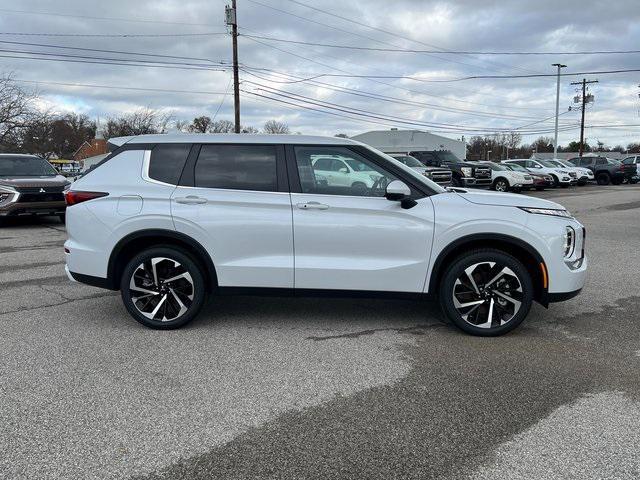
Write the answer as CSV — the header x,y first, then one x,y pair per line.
x,y
74,197
622,167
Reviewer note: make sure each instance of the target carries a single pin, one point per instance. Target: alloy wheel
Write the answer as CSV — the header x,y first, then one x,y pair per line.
x,y
501,186
487,295
161,289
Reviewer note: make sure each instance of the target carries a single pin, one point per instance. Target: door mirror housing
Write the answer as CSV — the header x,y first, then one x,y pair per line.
x,y
398,191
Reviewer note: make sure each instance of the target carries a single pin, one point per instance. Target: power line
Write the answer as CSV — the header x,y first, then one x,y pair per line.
x,y
89,17
452,52
87,85
113,35
64,47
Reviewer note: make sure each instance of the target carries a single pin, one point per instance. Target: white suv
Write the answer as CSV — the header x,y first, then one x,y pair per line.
x,y
561,177
505,179
170,220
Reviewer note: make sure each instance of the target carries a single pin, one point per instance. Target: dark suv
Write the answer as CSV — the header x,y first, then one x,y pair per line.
x,y
464,174
29,185
606,170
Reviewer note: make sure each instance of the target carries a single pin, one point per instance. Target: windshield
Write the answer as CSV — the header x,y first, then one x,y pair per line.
x,y
547,163
556,163
25,166
613,161
495,166
517,168
447,156
408,160
414,173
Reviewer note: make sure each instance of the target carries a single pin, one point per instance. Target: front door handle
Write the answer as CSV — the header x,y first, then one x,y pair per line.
x,y
312,206
191,200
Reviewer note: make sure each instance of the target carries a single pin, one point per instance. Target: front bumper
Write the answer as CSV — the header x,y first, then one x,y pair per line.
x,y
476,182
32,208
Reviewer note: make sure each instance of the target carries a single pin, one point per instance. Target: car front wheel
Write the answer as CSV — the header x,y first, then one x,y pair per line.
x,y
486,292
501,185
162,288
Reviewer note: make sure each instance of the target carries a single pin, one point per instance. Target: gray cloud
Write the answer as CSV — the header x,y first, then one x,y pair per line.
x,y
462,24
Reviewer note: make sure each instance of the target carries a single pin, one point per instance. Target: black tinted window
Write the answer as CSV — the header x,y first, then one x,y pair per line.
x,y
238,167
167,162
25,166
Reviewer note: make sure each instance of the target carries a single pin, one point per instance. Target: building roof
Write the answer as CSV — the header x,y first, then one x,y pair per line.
x,y
232,138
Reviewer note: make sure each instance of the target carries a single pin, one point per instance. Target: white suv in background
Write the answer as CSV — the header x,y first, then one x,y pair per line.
x,y
170,220
584,175
504,179
561,177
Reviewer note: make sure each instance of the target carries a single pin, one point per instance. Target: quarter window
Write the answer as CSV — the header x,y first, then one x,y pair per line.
x,y
237,167
324,170
167,162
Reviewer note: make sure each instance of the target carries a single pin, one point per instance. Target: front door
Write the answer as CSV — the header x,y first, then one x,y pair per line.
x,y
352,238
234,200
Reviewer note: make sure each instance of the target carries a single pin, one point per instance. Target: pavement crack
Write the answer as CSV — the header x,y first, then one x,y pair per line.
x,y
415,330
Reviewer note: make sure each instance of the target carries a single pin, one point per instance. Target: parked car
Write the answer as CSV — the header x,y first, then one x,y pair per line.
x,y
561,177
540,180
606,170
634,160
339,171
584,175
505,179
440,175
464,174
29,185
172,219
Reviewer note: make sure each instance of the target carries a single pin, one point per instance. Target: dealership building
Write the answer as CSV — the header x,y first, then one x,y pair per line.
x,y
404,141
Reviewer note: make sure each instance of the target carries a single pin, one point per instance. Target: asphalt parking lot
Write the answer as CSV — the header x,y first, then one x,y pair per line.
x,y
321,388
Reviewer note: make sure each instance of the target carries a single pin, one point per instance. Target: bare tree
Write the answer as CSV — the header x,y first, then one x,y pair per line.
x,y
274,126
249,129
17,111
140,122
341,135
200,125
222,126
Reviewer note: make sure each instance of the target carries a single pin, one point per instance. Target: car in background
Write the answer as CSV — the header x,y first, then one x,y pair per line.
x,y
606,170
561,177
29,185
540,180
584,174
634,160
504,179
336,171
440,175
464,174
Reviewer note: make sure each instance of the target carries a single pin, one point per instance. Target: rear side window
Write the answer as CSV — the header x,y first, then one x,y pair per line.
x,y
167,162
237,167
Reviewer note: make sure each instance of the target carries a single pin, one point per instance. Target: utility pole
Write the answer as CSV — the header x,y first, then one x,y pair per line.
x,y
555,141
585,100
232,19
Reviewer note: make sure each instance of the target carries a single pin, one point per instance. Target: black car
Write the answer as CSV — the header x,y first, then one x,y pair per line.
x,y
464,174
606,170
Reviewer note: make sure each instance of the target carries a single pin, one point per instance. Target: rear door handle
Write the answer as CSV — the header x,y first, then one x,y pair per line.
x,y
312,206
191,200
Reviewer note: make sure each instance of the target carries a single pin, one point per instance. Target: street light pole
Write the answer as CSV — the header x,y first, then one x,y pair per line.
x,y
555,141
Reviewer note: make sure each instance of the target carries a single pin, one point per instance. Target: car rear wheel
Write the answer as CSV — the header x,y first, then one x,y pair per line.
x,y
603,178
556,181
486,292
162,288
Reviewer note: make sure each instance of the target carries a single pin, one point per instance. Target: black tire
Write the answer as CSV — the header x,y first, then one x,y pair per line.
x,y
359,187
480,260
63,218
603,178
501,185
175,298
556,181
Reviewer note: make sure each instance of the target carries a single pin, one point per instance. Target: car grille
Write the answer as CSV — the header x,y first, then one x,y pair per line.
x,y
528,177
482,173
40,197
440,176
40,190
573,174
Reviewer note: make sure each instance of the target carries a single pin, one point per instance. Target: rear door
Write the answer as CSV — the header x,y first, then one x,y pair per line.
x,y
234,200
353,238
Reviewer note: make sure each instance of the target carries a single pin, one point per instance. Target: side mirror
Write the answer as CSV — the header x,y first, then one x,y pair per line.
x,y
344,170
398,191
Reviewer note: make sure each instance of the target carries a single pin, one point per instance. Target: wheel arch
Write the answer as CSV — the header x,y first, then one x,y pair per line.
x,y
528,255
134,243
502,178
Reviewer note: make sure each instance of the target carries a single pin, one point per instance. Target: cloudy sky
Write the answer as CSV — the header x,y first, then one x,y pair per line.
x,y
326,90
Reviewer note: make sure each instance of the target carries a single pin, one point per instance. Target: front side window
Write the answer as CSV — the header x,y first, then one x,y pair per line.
x,y
585,162
237,167
629,161
167,162
363,179
25,166
601,161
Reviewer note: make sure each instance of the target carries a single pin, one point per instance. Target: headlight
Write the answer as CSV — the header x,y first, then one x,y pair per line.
x,y
547,211
466,171
569,242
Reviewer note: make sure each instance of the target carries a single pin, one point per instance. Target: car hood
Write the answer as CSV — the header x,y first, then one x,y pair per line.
x,y
481,197
55,181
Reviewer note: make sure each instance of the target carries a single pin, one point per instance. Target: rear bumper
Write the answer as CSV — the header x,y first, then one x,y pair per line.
x,y
88,279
